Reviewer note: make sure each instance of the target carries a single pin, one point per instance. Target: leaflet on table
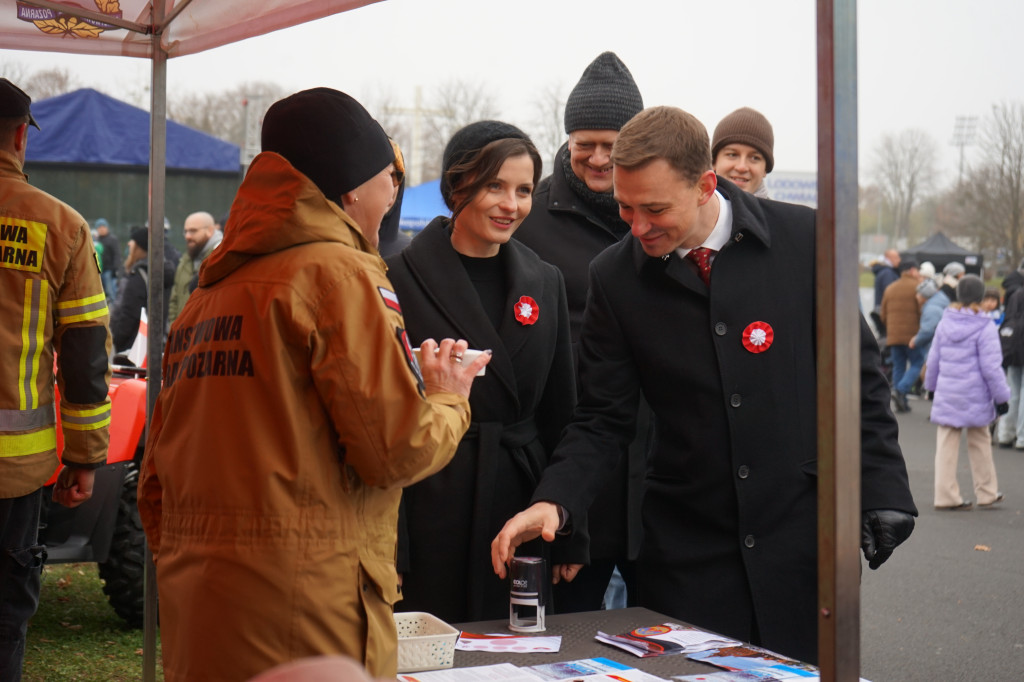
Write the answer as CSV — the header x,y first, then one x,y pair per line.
x,y
665,639
509,644
591,669
506,672
780,673
749,662
501,671
750,657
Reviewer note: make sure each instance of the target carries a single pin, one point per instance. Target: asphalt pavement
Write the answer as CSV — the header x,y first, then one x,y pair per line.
x,y
949,603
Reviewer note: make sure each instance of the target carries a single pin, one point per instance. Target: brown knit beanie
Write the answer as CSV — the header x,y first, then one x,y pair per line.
x,y
745,126
605,97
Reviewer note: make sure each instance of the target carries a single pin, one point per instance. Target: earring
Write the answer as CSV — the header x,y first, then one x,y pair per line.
x,y
355,200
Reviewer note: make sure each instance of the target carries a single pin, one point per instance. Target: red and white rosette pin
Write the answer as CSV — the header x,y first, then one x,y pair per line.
x,y
526,310
758,337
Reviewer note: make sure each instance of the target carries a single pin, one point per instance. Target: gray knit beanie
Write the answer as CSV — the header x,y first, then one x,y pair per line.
x,y
746,126
954,269
605,97
970,289
927,288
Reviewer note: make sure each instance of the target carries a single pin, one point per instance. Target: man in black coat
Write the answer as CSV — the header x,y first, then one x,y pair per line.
x,y
722,344
574,218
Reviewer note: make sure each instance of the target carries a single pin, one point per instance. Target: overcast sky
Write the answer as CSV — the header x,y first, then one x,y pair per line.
x,y
922,63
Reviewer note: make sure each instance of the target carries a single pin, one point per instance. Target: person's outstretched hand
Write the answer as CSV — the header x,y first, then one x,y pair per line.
x,y
882,531
539,519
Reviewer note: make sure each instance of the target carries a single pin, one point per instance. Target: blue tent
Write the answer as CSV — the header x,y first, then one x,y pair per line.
x,y
88,127
420,205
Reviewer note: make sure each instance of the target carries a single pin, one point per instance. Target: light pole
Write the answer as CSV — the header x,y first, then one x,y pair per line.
x,y
963,135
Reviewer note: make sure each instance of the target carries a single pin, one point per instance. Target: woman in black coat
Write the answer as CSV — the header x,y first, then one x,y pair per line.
x,y
133,291
464,277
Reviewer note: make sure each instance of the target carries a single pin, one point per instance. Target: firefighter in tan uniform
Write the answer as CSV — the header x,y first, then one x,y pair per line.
x,y
53,305
292,414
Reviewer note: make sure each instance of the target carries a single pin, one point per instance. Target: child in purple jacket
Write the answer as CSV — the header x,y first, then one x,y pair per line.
x,y
965,371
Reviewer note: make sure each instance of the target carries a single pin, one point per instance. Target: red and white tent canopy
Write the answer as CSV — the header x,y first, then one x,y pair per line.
x,y
125,27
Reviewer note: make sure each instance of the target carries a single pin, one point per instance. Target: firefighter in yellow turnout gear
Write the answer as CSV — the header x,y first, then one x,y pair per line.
x,y
53,305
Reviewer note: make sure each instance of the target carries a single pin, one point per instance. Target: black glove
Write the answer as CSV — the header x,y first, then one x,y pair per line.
x,y
1002,408
882,530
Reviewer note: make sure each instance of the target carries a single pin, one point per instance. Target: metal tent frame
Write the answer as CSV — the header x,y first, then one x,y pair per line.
x,y
156,34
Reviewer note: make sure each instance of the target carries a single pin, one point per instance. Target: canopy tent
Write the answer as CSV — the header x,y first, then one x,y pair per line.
x,y
127,27
420,205
940,250
118,135
93,152
153,31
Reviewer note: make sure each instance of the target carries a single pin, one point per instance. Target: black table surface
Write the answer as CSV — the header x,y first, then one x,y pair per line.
x,y
577,631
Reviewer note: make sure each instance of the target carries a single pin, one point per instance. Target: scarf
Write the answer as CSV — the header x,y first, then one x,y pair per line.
x,y
603,204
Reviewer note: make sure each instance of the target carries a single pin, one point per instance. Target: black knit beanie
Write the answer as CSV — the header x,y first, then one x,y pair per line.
x,y
140,236
970,289
469,141
746,126
329,137
605,97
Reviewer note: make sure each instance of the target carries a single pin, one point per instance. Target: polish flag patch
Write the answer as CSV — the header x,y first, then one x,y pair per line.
x,y
390,299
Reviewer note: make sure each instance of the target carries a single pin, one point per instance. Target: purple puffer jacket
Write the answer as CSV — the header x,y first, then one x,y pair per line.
x,y
965,370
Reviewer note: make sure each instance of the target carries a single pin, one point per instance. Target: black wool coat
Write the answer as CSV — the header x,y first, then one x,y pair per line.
x,y
519,408
568,233
132,297
730,508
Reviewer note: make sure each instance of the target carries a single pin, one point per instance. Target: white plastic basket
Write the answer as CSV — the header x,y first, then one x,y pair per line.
x,y
425,642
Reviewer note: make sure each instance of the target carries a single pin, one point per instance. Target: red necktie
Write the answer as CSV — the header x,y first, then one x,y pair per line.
x,y
702,257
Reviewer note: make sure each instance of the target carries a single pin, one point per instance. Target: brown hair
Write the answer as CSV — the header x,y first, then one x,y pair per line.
x,y
467,178
664,133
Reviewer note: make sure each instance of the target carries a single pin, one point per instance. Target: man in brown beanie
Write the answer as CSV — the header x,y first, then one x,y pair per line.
x,y
273,524
574,218
742,150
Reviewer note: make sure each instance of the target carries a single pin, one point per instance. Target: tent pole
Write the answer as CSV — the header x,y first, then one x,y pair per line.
x,y
838,345
155,302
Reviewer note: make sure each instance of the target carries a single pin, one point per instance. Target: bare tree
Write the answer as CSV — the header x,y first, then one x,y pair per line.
x,y
459,103
47,83
904,169
990,203
222,114
18,73
549,120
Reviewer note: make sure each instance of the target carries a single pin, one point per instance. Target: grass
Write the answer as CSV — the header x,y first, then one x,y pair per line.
x,y
75,635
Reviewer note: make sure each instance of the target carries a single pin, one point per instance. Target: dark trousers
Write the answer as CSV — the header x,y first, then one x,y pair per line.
x,y
586,591
21,561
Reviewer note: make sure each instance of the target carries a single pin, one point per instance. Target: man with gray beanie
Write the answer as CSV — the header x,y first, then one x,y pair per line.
x,y
574,218
273,524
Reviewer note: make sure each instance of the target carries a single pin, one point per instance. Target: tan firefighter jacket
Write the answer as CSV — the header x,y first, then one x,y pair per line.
x,y
53,303
291,415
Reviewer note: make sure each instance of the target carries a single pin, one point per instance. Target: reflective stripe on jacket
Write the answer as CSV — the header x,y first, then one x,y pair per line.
x,y
54,307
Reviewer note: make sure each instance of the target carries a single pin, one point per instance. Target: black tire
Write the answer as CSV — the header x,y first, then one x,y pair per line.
x,y
123,572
